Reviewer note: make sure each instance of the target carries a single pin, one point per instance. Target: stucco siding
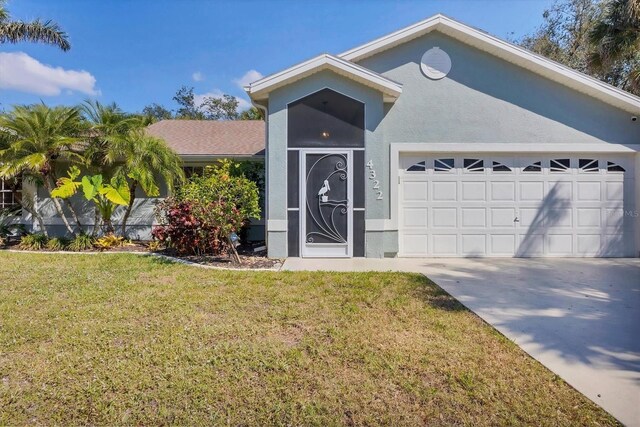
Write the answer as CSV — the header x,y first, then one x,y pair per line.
x,y
486,99
277,158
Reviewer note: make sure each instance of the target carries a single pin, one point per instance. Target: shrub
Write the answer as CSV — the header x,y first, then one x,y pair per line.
x,y
33,242
82,242
207,210
9,225
109,241
58,244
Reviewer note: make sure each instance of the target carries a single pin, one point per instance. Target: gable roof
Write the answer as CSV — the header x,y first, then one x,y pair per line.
x,y
260,89
502,49
238,138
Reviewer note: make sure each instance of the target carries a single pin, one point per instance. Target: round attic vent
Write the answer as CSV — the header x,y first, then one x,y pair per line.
x,y
435,63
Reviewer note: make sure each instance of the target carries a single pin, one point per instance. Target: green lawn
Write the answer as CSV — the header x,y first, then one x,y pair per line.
x,y
124,339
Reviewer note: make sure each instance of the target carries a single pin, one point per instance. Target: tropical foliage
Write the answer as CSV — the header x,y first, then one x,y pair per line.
x,y
207,210
105,196
36,31
39,137
597,37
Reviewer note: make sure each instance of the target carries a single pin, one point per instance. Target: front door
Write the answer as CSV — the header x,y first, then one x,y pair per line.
x,y
325,203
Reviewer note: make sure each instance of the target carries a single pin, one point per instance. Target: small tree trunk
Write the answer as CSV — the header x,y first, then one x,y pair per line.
x,y
74,214
49,187
234,252
96,221
132,198
37,217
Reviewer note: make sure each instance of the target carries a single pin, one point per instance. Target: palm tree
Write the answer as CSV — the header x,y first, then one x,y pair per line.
x,y
39,137
142,159
36,31
106,122
616,42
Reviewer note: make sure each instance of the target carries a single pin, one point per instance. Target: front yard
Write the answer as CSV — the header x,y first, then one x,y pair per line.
x,y
125,339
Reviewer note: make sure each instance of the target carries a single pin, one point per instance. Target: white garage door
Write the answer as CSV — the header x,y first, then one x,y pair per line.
x,y
531,206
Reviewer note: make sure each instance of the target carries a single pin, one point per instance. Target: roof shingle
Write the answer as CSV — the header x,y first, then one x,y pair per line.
x,y
210,137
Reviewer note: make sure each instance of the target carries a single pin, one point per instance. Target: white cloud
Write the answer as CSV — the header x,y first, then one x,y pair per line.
x,y
197,76
198,99
249,77
19,71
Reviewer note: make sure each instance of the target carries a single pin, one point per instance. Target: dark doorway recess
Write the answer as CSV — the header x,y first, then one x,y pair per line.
x,y
326,119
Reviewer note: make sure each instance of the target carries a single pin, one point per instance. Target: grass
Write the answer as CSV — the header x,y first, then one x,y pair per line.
x,y
123,339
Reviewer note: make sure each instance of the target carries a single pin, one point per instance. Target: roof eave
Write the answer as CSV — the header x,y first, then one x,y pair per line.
x,y
260,89
502,49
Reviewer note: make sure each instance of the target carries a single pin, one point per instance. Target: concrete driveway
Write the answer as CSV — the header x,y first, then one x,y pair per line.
x,y
578,317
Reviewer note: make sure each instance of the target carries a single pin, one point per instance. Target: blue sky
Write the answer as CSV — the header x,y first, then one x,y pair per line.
x,y
141,51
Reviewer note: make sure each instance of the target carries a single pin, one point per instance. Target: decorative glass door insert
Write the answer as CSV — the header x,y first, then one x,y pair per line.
x,y
326,198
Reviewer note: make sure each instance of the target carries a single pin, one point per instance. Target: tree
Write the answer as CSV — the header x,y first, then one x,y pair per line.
x,y
139,159
36,31
615,39
252,114
563,35
156,112
577,33
187,109
40,136
220,108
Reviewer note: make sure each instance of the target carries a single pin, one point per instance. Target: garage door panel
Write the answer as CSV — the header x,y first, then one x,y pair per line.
x,y
415,217
589,191
474,217
531,217
559,191
415,191
614,217
503,191
474,191
614,191
558,217
502,244
415,244
589,244
559,244
445,191
589,217
474,244
503,217
530,245
445,244
444,217
532,191
527,207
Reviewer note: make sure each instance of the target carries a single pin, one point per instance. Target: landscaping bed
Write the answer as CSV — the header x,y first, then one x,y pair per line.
x,y
130,340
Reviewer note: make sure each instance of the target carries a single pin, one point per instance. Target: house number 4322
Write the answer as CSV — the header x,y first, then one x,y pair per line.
x,y
372,177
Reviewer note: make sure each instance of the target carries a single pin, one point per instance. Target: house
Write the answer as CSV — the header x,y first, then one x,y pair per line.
x,y
440,140
199,143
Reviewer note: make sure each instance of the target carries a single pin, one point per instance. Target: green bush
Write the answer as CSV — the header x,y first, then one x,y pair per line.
x,y
33,242
58,243
82,242
206,210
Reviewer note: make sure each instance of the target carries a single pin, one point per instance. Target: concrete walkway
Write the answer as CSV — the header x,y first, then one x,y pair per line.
x,y
578,317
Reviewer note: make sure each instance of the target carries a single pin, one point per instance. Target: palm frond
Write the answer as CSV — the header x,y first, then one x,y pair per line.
x,y
37,31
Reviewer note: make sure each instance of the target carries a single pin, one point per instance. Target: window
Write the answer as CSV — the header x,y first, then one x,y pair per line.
x,y
588,165
499,167
613,167
560,165
534,167
10,192
443,165
473,165
418,167
189,171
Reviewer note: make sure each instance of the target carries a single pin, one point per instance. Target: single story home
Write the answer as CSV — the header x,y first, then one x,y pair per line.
x,y
440,140
198,142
